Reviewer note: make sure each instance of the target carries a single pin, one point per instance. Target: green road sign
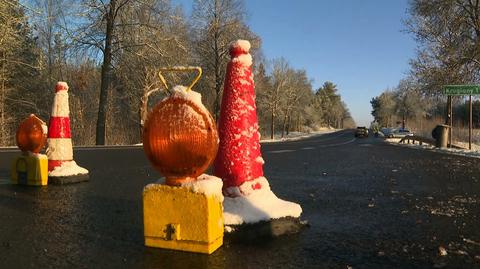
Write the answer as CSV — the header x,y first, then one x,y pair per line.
x,y
461,89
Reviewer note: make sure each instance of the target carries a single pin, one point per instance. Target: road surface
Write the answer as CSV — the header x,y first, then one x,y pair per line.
x,y
368,204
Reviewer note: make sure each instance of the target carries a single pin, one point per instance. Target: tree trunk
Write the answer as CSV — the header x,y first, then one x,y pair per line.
x,y
289,124
3,133
49,45
218,85
218,78
297,127
284,124
106,75
272,125
142,113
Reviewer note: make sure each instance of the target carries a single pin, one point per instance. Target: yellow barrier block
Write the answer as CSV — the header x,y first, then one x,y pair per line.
x,y
177,218
30,170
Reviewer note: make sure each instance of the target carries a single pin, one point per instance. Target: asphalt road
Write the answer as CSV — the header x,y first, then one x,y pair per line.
x,y
368,204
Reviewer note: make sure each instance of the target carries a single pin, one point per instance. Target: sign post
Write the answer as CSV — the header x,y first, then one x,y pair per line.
x,y
470,90
470,125
461,90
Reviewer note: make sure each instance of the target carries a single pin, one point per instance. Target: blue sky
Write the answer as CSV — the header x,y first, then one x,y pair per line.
x,y
360,45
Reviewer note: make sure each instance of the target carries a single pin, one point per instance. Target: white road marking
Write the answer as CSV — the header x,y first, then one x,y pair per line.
x,y
365,145
337,144
321,139
319,146
282,151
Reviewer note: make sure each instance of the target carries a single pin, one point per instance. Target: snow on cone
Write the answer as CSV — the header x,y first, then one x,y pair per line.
x,y
248,198
239,160
60,150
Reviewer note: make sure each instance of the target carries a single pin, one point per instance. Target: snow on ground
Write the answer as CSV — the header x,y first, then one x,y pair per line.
x,y
464,145
475,152
392,140
294,136
68,169
259,205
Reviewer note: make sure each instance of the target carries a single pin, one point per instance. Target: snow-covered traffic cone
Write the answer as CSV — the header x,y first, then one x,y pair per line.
x,y
239,161
61,166
248,198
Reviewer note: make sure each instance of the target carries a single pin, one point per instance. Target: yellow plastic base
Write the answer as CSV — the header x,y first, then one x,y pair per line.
x,y
176,218
30,170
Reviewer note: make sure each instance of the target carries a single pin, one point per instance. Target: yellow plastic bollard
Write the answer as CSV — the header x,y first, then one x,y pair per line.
x,y
30,170
177,218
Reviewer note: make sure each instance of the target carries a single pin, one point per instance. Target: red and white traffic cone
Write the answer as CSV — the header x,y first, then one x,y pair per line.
x,y
59,138
239,162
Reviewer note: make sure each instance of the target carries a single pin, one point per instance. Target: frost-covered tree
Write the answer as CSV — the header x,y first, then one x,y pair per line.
x,y
215,24
18,65
327,101
384,108
448,36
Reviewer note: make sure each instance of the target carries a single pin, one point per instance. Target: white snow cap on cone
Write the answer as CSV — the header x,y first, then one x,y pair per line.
x,y
61,86
59,109
239,50
243,44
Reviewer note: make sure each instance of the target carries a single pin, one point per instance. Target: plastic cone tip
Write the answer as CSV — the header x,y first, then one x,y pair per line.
x,y
239,47
239,52
61,86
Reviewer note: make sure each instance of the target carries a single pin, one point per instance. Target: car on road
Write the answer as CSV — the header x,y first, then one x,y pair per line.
x,y
385,131
361,132
399,133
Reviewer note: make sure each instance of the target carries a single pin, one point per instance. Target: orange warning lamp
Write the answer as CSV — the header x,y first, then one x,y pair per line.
x,y
180,137
31,134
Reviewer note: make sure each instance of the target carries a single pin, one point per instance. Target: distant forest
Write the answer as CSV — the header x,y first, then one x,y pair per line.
x,y
109,53
448,53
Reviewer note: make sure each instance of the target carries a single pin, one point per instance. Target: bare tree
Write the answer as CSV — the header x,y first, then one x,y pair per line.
x,y
95,30
384,108
409,101
280,78
17,60
215,24
47,16
448,36
131,36
298,86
